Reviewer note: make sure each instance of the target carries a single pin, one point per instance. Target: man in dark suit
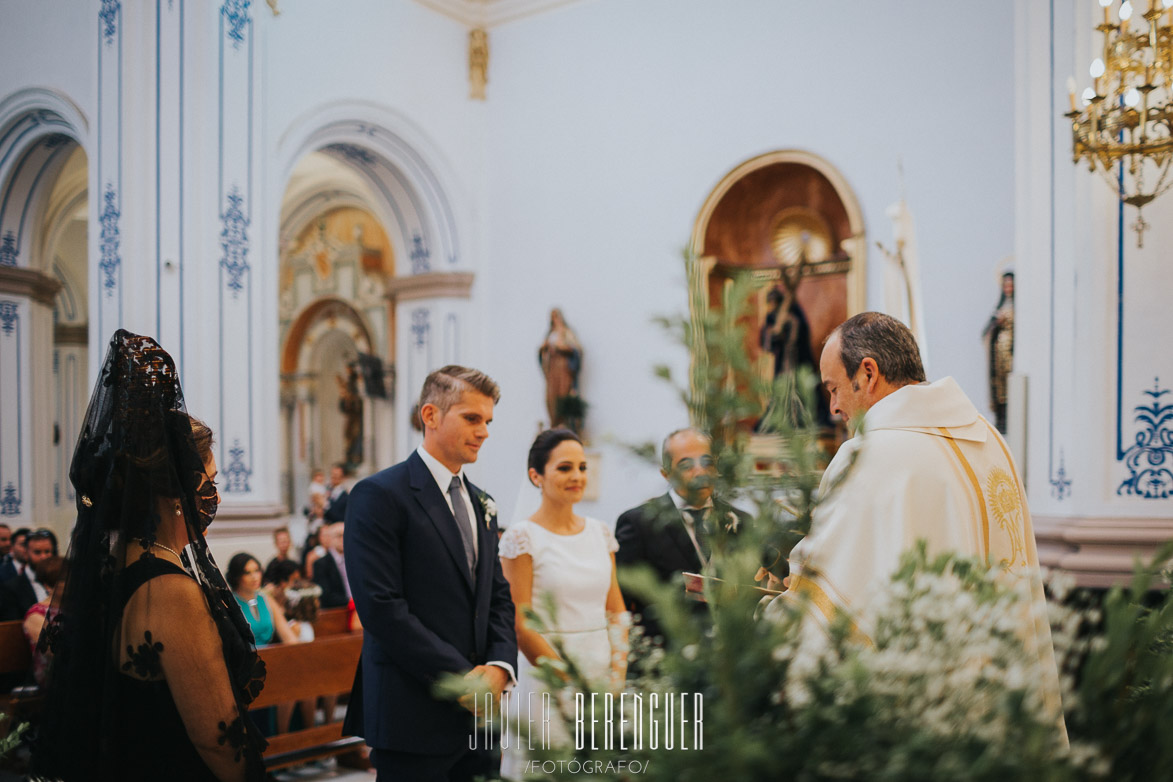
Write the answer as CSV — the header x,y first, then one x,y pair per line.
x,y
330,569
20,592
17,556
421,554
672,532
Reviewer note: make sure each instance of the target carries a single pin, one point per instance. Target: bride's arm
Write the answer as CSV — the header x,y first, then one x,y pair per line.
x,y
519,572
618,622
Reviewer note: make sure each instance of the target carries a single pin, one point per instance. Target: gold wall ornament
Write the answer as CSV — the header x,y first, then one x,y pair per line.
x,y
1122,125
478,62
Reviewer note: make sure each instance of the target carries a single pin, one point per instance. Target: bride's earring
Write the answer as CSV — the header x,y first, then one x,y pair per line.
x,y
178,509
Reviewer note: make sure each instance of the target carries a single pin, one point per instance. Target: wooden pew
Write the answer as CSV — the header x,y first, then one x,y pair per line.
x,y
305,672
23,703
331,621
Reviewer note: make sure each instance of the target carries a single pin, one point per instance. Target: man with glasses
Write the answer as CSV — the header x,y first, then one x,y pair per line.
x,y
672,532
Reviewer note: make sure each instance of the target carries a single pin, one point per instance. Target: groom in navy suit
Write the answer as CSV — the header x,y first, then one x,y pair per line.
x,y
421,558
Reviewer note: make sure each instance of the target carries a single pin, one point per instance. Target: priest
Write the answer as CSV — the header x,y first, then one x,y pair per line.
x,y
923,464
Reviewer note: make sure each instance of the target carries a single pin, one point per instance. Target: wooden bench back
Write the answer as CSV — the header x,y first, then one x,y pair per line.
x,y
15,656
301,671
331,621
297,672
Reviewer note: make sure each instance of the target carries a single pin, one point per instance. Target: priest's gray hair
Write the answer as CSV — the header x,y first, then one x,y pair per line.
x,y
444,387
885,340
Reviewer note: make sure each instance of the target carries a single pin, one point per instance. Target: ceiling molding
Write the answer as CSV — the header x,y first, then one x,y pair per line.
x,y
491,13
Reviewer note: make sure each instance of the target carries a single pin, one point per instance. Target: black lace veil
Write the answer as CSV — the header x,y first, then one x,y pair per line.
x,y
140,481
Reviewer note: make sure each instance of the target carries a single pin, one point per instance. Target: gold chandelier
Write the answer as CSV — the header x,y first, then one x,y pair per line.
x,y
1122,125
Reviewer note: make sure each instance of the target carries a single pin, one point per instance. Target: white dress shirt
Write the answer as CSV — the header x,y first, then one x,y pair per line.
x,y
444,478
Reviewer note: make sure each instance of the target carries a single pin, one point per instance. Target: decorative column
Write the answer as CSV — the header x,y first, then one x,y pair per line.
x,y
26,313
431,319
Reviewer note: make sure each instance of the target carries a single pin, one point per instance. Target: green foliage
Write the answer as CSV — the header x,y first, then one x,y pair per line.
x,y
11,740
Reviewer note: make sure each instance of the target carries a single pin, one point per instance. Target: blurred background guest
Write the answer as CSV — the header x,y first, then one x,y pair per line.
x,y
50,572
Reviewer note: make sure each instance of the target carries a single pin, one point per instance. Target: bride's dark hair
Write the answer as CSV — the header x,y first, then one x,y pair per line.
x,y
140,458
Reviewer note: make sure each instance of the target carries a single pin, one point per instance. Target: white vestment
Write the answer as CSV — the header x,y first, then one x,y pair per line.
x,y
927,466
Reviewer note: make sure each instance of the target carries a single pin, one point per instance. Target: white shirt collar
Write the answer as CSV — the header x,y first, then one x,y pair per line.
x,y
681,503
440,473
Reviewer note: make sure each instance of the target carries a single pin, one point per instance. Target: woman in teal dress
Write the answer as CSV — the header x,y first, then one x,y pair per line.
x,y
263,615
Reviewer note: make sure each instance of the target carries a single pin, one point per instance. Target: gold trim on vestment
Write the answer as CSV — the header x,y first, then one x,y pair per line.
x,y
977,488
803,586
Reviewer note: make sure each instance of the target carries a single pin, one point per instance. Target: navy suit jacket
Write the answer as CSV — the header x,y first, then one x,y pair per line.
x,y
423,614
329,578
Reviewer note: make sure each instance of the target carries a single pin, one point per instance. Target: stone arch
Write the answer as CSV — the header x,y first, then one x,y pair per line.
x,y
39,128
314,320
415,193
855,243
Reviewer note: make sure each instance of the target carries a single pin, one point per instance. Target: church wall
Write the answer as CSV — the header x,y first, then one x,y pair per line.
x,y
43,47
610,122
1093,322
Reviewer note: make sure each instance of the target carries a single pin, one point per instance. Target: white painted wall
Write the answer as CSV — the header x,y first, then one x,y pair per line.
x,y
610,122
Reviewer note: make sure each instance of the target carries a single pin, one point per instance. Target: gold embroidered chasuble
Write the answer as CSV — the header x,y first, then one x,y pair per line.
x,y
926,466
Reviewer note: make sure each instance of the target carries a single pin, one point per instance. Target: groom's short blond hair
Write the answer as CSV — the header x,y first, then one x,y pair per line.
x,y
443,387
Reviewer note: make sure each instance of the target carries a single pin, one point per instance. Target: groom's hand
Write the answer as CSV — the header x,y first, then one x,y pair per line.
x,y
493,677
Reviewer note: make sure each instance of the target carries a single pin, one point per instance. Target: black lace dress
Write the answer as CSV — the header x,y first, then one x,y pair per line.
x,y
156,672
153,666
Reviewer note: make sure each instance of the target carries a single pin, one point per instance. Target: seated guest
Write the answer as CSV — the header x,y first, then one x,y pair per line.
x,y
335,509
302,603
283,542
14,561
19,593
5,542
312,550
330,569
672,532
50,572
260,611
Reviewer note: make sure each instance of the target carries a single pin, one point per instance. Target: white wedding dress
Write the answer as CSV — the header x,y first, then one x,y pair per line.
x,y
574,570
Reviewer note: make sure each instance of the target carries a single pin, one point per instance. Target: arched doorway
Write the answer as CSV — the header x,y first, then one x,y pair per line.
x,y
44,303
337,324
790,220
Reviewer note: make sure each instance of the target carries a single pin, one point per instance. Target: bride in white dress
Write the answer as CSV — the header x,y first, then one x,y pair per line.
x,y
558,554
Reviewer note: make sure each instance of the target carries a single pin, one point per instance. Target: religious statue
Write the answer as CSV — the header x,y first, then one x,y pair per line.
x,y
561,358
351,404
786,335
999,333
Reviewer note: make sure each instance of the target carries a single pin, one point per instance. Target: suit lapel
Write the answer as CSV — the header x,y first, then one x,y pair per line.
x,y
428,495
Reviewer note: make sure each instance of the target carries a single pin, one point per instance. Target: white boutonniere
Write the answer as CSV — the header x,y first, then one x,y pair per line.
x,y
733,522
490,509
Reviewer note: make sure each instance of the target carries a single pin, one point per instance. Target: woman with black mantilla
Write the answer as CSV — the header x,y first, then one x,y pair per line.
x,y
153,665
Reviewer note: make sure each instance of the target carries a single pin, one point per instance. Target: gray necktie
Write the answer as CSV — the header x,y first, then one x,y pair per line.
x,y
460,510
694,520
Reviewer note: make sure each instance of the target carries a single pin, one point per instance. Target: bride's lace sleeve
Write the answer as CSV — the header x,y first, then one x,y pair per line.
x,y
178,640
515,542
609,538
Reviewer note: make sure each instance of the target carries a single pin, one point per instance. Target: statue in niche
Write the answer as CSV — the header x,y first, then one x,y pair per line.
x,y
351,404
560,357
999,335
